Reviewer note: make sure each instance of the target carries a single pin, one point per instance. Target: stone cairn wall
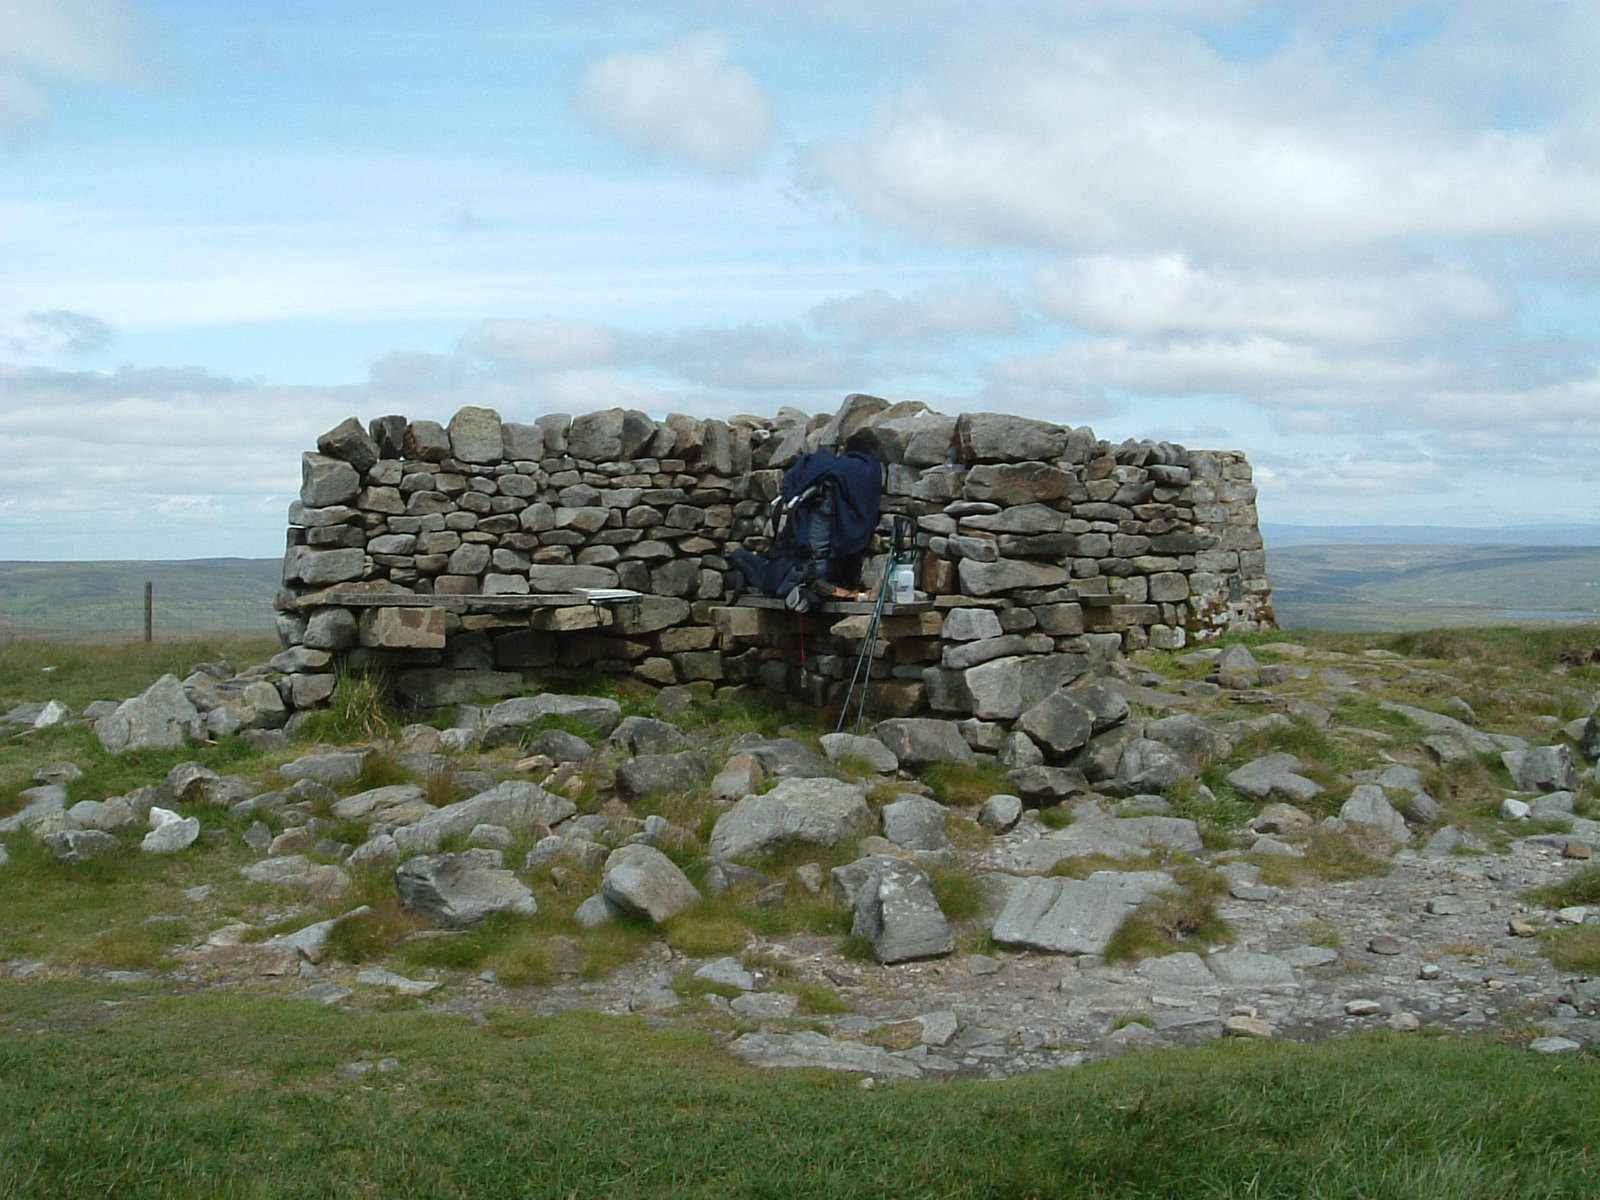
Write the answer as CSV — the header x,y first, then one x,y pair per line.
x,y
1043,551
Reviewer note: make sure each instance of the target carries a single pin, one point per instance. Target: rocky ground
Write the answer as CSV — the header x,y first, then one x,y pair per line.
x,y
1317,841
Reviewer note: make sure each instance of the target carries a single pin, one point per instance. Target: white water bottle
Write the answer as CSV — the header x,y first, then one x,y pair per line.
x,y
903,583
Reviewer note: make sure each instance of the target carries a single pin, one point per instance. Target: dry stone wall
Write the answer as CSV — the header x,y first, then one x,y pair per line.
x,y
1043,550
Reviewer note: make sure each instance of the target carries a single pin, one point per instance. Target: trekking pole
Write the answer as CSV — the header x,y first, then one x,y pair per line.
x,y
900,542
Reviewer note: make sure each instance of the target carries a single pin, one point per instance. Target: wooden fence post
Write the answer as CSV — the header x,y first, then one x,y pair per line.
x,y
149,610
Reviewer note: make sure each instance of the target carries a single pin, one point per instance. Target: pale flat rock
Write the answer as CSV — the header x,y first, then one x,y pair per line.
x,y
1074,916
816,1050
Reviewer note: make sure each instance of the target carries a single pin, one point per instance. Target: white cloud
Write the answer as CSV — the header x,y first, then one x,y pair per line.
x,y
1167,294
930,315
1254,365
45,41
1145,141
57,331
683,102
550,343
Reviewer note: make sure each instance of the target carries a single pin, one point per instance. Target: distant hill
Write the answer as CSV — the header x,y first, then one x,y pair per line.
x,y
1384,582
106,599
1429,535
1397,586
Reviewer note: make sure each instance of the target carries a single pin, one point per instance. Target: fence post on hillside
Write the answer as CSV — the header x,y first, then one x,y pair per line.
x,y
149,610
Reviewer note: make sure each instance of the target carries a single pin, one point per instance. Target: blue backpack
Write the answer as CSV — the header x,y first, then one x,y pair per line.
x,y
826,512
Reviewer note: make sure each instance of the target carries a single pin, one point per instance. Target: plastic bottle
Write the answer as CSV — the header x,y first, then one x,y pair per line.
x,y
903,583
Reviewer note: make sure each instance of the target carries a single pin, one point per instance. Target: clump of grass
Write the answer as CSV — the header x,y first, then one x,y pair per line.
x,y
1581,887
1328,855
690,987
706,934
962,785
1575,948
1166,924
960,896
1057,816
1081,866
1320,932
360,710
818,999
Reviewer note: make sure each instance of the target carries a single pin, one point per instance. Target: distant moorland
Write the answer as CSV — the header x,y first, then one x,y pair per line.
x,y
106,599
1380,584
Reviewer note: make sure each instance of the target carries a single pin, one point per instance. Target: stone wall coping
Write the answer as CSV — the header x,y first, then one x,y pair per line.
x,y
460,603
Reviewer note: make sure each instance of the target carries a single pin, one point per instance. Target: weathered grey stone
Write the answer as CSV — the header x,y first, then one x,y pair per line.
x,y
350,442
1542,769
896,911
544,578
1004,689
650,773
970,625
1058,724
559,746
1147,765
160,718
783,757
1369,807
396,804
741,776
646,735
818,1051
1199,739
516,804
1000,813
1178,970
1074,916
1246,968
1018,483
1007,575
1000,437
331,768
916,741
298,872
611,435
506,720
1274,775
916,823
81,845
839,747
461,890
819,812
326,481
475,436
640,879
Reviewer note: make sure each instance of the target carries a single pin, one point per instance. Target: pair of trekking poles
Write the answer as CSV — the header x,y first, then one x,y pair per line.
x,y
897,569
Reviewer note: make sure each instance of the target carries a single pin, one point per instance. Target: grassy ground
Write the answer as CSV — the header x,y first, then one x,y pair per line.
x,y
128,1093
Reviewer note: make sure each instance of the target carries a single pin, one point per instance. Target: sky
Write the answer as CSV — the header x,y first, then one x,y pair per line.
x,y
1358,240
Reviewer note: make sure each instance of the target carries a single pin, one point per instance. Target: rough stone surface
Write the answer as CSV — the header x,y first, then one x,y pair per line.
x,y
640,879
895,910
461,890
159,718
818,812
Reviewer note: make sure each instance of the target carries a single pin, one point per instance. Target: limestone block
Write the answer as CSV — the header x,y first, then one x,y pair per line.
x,y
1017,483
1006,574
475,436
1000,437
326,481
316,568
350,442
403,628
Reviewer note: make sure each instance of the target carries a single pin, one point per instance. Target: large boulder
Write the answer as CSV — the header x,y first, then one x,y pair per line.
x,y
159,718
1075,916
1542,769
515,804
1275,776
915,741
81,845
818,812
1005,688
508,719
640,879
1058,724
650,773
461,890
916,823
897,912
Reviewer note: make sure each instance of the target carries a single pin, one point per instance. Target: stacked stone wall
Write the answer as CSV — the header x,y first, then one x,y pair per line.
x,y
1042,550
